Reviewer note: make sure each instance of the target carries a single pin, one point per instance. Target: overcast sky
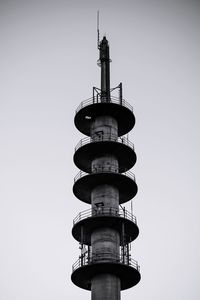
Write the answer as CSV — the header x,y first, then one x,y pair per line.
x,y
48,66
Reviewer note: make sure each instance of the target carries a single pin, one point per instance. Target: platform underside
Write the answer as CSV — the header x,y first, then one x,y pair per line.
x,y
131,230
124,117
86,154
126,186
129,276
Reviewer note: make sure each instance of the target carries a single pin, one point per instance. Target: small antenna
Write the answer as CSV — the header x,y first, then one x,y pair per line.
x,y
98,39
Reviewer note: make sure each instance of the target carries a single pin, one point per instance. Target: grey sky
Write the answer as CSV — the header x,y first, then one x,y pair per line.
x,y
48,66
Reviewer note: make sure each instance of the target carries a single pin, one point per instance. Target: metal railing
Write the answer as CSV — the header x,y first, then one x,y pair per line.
x,y
104,169
90,258
97,99
104,138
104,211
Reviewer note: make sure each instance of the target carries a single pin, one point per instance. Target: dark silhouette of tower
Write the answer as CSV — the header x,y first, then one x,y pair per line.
x,y
105,157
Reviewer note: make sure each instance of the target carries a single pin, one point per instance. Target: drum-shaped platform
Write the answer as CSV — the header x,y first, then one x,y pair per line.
x,y
119,222
87,150
125,184
129,275
122,112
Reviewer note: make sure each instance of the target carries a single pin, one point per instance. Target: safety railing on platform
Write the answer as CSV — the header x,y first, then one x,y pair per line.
x,y
103,169
104,138
105,211
89,258
97,99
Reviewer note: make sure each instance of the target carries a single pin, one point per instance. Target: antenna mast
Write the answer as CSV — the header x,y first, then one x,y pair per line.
x,y
98,38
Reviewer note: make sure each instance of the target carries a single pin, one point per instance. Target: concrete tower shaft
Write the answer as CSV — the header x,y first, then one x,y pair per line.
x,y
105,231
106,240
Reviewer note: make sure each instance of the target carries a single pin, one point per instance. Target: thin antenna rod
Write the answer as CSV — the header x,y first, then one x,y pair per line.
x,y
98,38
131,207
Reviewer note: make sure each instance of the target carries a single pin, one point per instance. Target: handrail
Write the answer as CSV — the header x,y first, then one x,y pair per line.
x,y
104,211
104,138
90,258
96,99
104,169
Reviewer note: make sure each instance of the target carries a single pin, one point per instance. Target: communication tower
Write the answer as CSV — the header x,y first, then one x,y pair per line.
x,y
105,157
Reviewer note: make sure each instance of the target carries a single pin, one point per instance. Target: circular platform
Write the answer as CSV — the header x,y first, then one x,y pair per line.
x,y
87,150
121,112
126,185
129,275
88,224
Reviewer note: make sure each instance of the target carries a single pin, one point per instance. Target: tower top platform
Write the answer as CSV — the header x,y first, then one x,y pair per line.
x,y
93,107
